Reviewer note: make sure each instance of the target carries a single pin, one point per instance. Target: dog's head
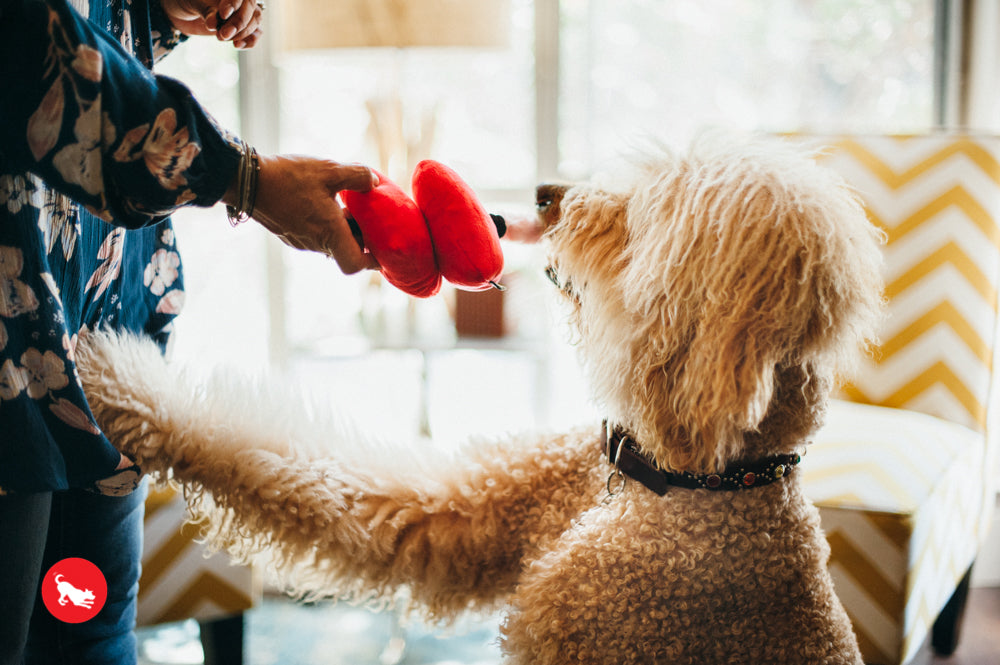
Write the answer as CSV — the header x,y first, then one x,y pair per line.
x,y
716,297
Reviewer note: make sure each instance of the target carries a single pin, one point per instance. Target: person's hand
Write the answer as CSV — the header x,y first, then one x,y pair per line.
x,y
296,201
236,21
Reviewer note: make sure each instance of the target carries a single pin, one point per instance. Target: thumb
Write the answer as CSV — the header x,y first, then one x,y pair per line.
x,y
355,177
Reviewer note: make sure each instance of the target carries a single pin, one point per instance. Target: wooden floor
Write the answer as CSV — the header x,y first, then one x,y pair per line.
x,y
979,643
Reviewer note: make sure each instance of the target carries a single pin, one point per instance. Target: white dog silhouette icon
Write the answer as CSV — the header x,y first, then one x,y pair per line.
x,y
69,593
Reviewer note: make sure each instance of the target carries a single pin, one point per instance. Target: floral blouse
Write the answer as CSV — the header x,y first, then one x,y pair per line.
x,y
95,153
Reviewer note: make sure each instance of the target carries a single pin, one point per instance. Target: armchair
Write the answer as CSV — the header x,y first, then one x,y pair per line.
x,y
904,471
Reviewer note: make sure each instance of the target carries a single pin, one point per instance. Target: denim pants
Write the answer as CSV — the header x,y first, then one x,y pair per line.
x,y
39,530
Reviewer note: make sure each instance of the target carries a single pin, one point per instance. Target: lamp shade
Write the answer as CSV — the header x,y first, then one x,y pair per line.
x,y
328,24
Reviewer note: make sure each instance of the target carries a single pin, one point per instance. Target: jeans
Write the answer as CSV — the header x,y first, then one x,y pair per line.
x,y
105,530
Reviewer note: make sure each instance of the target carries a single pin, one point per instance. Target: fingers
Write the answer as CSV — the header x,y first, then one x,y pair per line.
x,y
250,41
342,247
226,8
332,237
341,243
239,22
191,17
337,244
355,177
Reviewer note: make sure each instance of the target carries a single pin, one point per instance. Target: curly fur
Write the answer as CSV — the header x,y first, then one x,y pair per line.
x,y
715,300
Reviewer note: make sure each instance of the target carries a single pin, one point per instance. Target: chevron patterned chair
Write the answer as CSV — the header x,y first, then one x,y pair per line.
x,y
180,582
903,473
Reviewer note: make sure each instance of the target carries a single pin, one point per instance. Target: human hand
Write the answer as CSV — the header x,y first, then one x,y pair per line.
x,y
236,21
296,201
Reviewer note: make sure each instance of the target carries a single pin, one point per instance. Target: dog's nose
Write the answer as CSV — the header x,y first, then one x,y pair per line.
x,y
548,196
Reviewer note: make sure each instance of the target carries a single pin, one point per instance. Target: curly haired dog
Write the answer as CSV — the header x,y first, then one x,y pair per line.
x,y
714,299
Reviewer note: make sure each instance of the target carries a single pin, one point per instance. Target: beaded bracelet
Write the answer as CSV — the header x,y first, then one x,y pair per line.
x,y
246,180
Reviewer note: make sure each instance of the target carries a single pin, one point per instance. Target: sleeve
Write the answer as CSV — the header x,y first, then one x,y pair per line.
x,y
163,37
95,124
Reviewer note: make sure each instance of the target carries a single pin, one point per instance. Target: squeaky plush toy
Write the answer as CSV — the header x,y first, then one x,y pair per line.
x,y
445,232
466,238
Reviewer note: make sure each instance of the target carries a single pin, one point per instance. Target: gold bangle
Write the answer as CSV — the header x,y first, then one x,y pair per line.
x,y
246,181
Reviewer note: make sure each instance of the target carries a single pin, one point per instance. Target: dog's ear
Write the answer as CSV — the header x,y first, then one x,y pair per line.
x,y
728,374
717,385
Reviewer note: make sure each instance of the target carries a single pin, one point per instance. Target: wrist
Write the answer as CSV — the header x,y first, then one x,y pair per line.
x,y
241,195
265,187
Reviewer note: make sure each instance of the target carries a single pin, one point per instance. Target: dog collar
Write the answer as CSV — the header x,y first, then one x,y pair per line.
x,y
623,453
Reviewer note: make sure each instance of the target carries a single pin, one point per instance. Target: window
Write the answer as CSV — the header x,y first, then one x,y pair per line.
x,y
668,69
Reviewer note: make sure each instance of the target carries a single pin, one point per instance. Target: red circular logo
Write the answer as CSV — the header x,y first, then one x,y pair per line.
x,y
74,590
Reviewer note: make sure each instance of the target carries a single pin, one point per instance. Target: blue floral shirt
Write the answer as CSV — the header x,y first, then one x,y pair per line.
x,y
95,153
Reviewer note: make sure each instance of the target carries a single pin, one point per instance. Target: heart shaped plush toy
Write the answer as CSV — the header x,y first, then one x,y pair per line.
x,y
445,232
466,239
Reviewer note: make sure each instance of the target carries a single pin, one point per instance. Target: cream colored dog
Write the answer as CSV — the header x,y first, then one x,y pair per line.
x,y
714,300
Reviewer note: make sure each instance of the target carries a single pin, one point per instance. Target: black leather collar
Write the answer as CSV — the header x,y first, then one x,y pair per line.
x,y
624,454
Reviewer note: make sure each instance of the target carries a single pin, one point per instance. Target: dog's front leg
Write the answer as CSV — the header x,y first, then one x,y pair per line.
x,y
340,516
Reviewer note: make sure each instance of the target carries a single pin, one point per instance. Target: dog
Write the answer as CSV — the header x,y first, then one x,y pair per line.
x,y
715,299
70,594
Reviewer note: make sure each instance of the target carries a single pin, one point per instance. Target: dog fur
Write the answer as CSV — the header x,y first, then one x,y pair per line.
x,y
715,299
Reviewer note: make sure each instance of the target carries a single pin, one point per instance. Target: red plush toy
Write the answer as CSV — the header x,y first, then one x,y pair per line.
x,y
466,239
445,232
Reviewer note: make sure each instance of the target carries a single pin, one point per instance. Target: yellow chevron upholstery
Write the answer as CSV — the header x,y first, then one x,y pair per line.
x,y
905,510
903,471
178,581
